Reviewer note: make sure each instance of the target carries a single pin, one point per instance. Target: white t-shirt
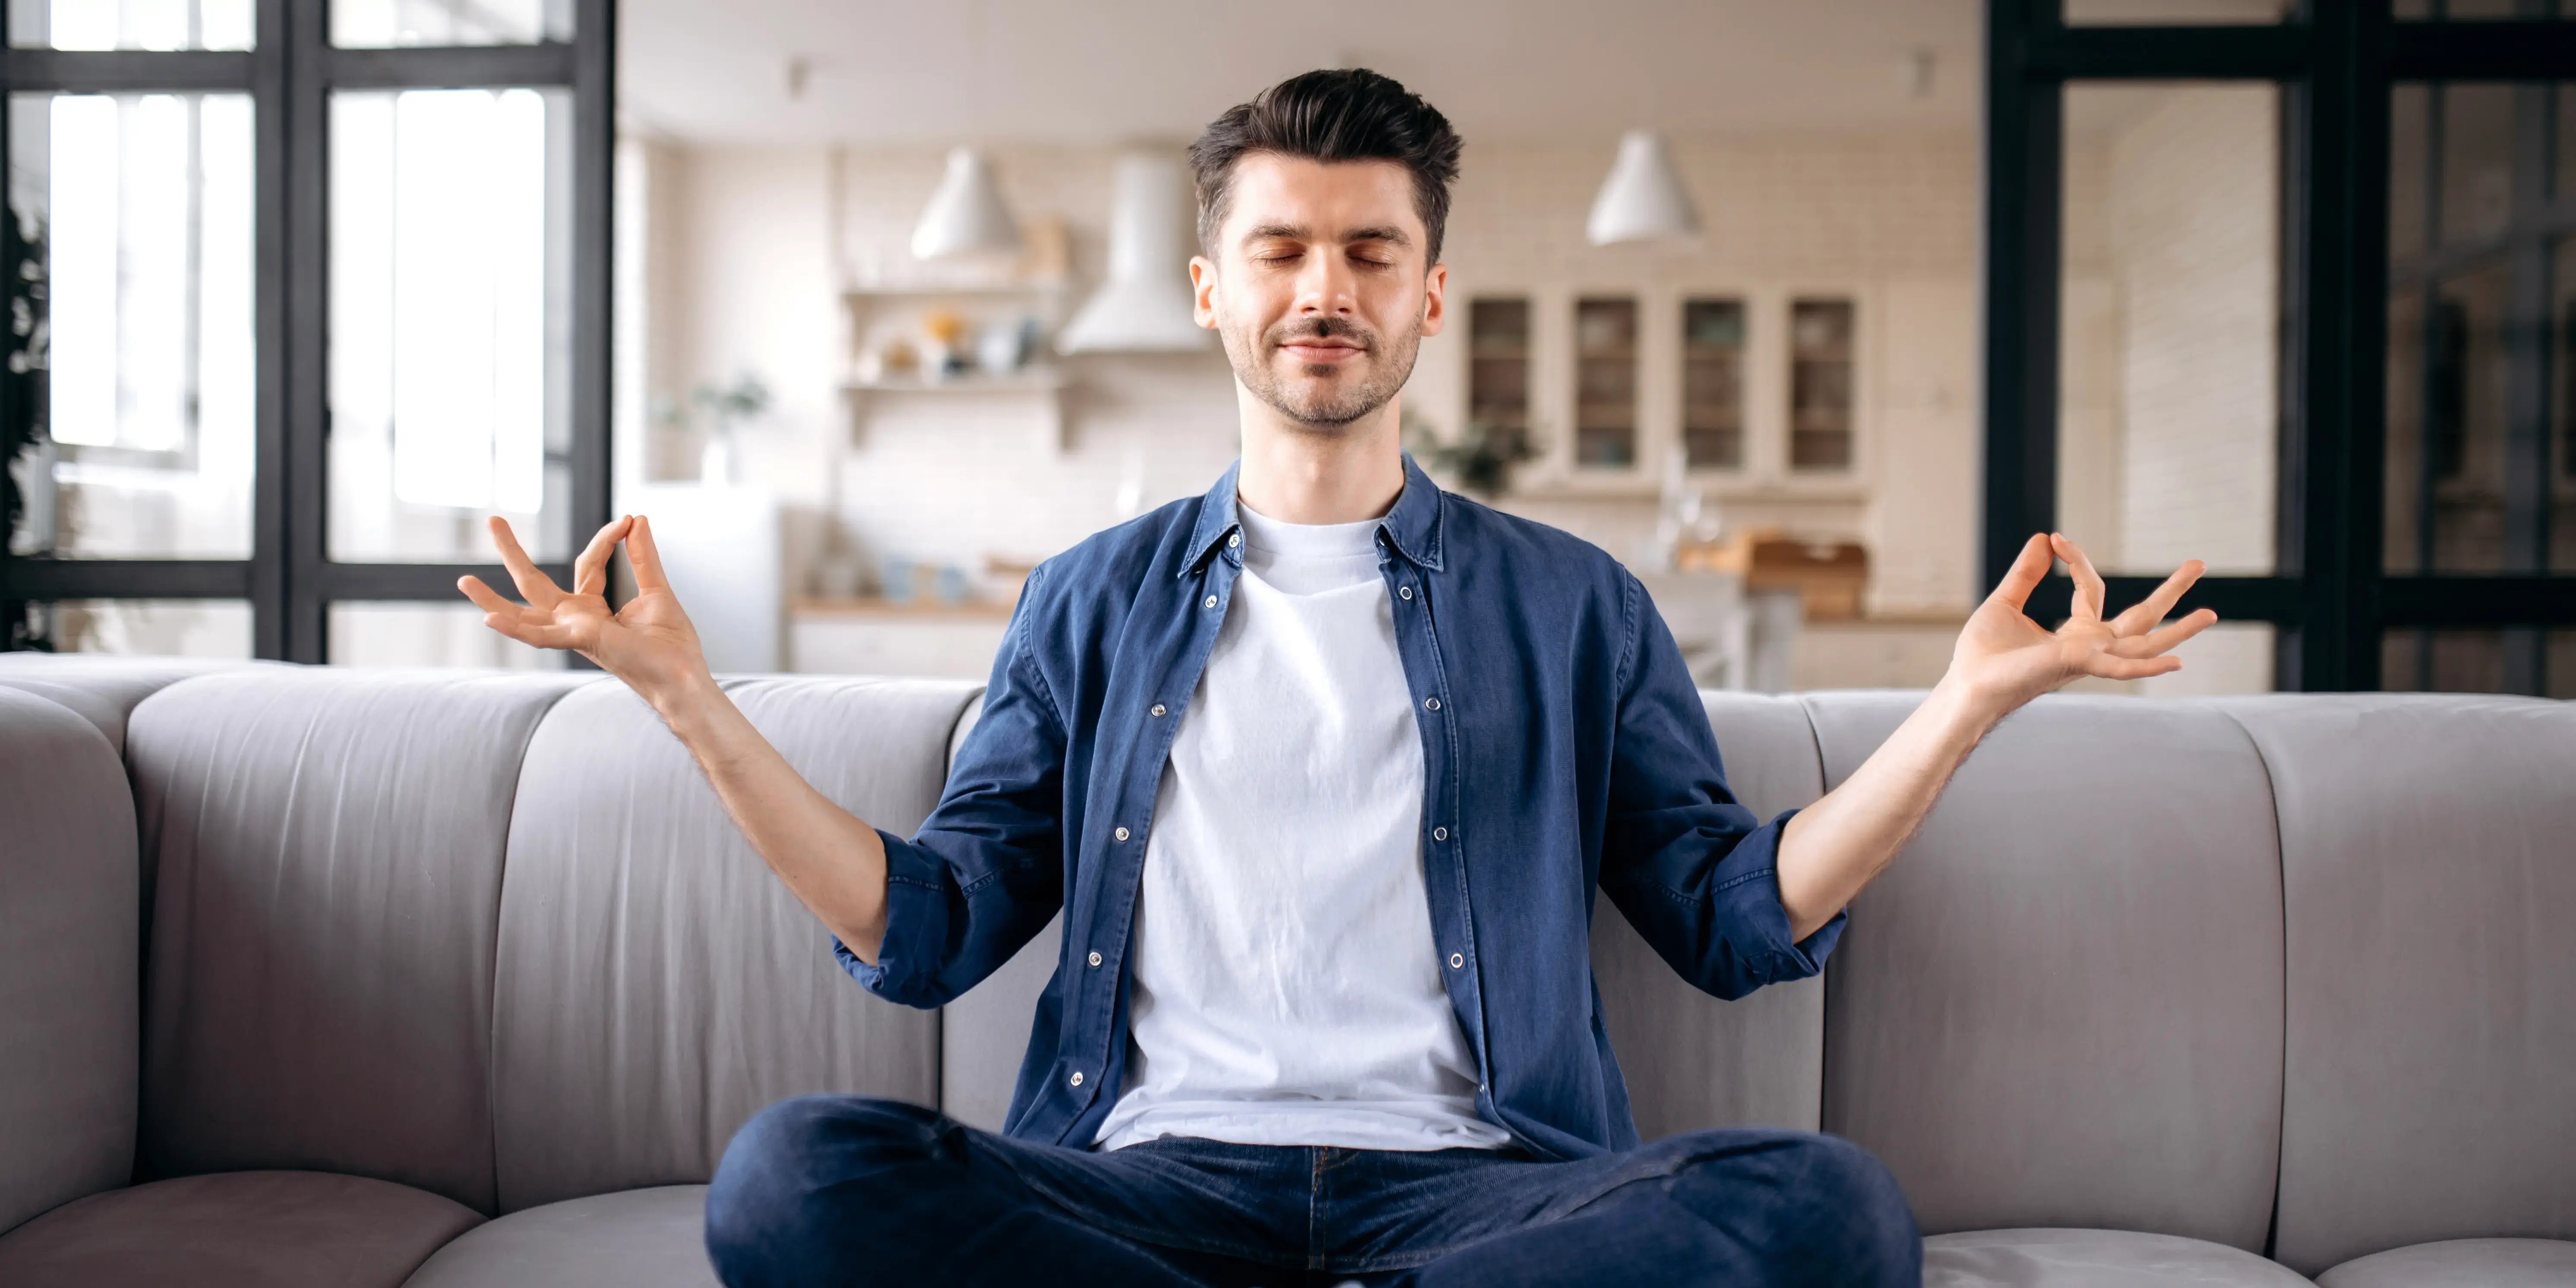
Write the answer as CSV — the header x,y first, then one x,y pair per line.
x,y
1286,987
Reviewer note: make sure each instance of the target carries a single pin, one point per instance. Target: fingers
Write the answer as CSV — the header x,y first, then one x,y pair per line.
x,y
534,585
2089,590
2111,667
2023,577
2163,637
529,631
2151,610
486,598
590,571
645,556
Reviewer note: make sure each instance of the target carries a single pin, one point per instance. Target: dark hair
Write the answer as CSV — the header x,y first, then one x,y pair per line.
x,y
1328,116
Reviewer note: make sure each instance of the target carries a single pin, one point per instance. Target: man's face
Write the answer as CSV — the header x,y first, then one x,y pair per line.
x,y
1318,284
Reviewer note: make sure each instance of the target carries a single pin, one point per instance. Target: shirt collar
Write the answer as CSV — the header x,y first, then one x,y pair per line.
x,y
1412,523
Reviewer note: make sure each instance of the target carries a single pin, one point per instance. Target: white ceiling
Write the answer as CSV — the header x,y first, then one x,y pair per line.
x,y
1099,71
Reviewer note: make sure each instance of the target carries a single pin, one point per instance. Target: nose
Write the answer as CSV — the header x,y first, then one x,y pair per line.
x,y
1324,286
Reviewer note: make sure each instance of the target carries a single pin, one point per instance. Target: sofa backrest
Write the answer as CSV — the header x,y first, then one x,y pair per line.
x,y
68,959
319,984
2061,1005
656,984
2428,847
1690,1060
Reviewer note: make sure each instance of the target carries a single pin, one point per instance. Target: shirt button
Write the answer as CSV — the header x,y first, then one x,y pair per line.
x,y
1121,834
1077,1078
1095,959
1431,704
1158,708
1440,834
1456,960
1210,602
1404,592
1235,540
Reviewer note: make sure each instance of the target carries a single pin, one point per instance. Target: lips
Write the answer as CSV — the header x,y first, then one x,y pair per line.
x,y
1320,350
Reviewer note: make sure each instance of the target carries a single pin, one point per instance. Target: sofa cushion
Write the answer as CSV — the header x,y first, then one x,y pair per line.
x,y
68,960
652,1238
2061,1005
2431,883
319,988
103,687
658,985
235,1230
1690,1060
2462,1263
2093,1259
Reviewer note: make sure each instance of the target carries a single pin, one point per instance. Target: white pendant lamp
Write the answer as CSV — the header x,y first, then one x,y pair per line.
x,y
1145,305
966,216
1643,199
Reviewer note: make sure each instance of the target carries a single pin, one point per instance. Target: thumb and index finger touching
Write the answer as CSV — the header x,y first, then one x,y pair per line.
x,y
590,569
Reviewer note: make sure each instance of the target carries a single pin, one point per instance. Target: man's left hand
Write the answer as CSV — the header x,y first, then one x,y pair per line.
x,y
2004,659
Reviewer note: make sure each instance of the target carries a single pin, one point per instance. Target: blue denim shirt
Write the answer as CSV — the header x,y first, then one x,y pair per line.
x,y
1564,750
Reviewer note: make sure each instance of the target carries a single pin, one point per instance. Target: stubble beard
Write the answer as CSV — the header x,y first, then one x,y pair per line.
x,y
1335,396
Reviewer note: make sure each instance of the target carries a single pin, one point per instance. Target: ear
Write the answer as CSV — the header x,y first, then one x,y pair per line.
x,y
1203,291
1435,293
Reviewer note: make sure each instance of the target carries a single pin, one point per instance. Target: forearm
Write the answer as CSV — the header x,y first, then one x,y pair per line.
x,y
1831,849
832,861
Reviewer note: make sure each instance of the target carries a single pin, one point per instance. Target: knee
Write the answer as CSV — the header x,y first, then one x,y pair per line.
x,y
765,1203
1840,1214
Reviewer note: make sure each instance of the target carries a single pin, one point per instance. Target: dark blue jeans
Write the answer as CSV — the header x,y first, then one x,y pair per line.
x,y
847,1190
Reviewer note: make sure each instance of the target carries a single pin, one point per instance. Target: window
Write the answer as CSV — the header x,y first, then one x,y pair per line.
x,y
2417,525
1820,384
1605,383
1713,383
1498,366
289,391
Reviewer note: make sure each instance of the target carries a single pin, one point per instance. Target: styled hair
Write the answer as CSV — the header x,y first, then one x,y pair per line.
x,y
1329,116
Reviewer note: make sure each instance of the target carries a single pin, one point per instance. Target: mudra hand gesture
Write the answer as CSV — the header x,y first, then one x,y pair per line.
x,y
2009,659
648,643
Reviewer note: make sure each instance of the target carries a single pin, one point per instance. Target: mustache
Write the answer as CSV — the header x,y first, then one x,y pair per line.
x,y
1324,329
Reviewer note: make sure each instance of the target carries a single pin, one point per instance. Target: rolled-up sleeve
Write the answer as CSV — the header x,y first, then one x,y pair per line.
x,y
1690,866
985,871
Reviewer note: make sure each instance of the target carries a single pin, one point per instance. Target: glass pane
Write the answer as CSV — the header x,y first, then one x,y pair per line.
x,y
2478,478
2169,354
132,24
2476,133
1605,380
404,634
133,304
148,627
1713,382
1498,379
1820,384
377,24
2432,660
450,322
2177,13
2562,489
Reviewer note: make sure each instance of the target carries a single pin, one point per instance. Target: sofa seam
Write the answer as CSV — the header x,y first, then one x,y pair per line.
x,y
2281,875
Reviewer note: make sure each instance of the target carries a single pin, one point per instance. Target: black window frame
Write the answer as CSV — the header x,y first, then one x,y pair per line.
x,y
289,579
2335,61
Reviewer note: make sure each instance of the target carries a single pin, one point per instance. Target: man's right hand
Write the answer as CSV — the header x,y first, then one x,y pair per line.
x,y
648,643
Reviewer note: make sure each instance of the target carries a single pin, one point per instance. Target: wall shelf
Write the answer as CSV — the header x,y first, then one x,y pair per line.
x,y
1042,381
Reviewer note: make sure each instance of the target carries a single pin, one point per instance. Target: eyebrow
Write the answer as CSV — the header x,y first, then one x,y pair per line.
x,y
1388,233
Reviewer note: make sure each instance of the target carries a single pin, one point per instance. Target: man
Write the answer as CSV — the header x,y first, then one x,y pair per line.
x,y
1322,769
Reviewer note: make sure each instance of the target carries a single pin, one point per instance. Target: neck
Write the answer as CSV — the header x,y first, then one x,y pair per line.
x,y
1299,473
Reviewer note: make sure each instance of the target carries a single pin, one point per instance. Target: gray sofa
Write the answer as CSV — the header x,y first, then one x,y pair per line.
x,y
371,978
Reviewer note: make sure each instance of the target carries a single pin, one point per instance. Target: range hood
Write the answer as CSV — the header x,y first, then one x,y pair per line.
x,y
1145,305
